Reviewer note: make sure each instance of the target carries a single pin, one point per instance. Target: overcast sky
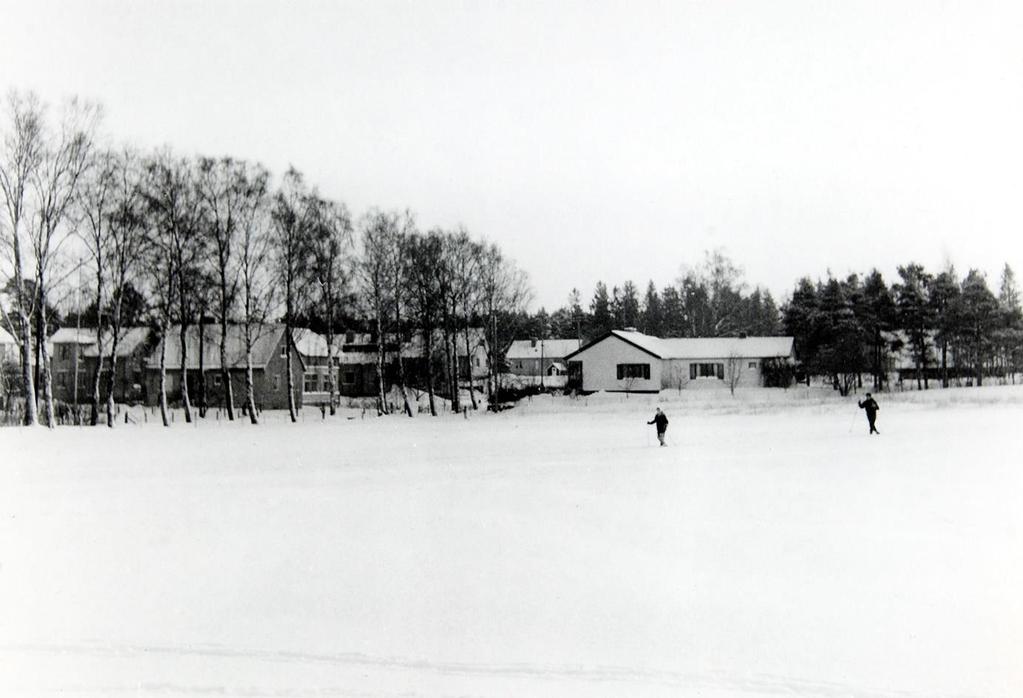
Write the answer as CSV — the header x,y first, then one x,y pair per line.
x,y
592,141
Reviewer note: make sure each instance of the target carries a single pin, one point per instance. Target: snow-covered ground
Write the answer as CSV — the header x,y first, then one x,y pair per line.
x,y
553,550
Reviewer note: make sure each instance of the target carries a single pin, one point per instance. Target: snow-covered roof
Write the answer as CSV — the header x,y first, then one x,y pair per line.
x,y
552,348
6,338
74,335
266,341
129,340
86,337
362,349
703,347
311,343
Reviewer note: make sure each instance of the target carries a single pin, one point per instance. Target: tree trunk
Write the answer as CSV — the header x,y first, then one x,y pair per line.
x,y
287,363
112,380
94,410
468,361
381,389
163,375
429,372
51,418
97,377
944,363
250,386
452,375
225,371
185,403
202,368
31,408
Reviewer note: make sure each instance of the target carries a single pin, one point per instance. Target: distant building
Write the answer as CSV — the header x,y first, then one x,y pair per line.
x,y
77,352
269,367
630,361
8,348
536,357
356,355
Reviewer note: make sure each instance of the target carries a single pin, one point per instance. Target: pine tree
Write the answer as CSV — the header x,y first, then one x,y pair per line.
x,y
980,317
600,307
914,315
653,315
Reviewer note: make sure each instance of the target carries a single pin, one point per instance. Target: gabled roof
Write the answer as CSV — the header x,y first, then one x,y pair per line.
x,y
267,339
130,339
551,348
6,338
86,337
700,347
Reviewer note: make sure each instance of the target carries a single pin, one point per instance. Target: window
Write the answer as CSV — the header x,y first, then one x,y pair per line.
x,y
349,377
217,380
752,364
311,383
277,382
284,350
632,371
707,371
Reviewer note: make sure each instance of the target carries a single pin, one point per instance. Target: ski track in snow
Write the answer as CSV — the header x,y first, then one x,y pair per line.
x,y
756,685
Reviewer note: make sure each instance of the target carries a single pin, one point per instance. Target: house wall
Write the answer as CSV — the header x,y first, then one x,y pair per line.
x,y
531,367
270,386
676,371
600,367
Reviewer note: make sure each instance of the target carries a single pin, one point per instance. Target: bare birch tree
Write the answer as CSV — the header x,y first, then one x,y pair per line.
x,y
95,201
330,240
256,278
127,245
65,157
227,189
21,157
290,217
378,231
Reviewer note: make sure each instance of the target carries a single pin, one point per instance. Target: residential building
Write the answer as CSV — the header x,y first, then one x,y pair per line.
x,y
539,357
269,366
630,361
75,357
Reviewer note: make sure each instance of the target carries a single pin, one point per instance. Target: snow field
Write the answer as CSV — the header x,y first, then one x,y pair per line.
x,y
547,551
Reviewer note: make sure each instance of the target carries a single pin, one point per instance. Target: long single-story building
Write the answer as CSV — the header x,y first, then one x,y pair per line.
x,y
630,361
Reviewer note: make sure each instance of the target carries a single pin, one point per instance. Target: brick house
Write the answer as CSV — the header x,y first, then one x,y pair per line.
x,y
77,351
269,367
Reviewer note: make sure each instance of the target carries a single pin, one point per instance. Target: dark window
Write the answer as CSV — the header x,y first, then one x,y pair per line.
x,y
631,371
692,371
721,371
349,378
707,371
752,364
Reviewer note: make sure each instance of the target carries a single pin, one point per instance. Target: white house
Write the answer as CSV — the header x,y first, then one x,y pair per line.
x,y
630,361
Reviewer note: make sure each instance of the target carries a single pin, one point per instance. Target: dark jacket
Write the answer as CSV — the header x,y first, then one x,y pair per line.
x,y
661,421
869,405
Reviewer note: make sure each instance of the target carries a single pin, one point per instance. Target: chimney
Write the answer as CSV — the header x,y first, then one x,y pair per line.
x,y
629,329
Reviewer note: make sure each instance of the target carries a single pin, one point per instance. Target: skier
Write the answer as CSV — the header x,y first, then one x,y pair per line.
x,y
662,425
870,405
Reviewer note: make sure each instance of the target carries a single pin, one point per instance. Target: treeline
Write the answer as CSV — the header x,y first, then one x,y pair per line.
x,y
185,241
710,300
951,327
